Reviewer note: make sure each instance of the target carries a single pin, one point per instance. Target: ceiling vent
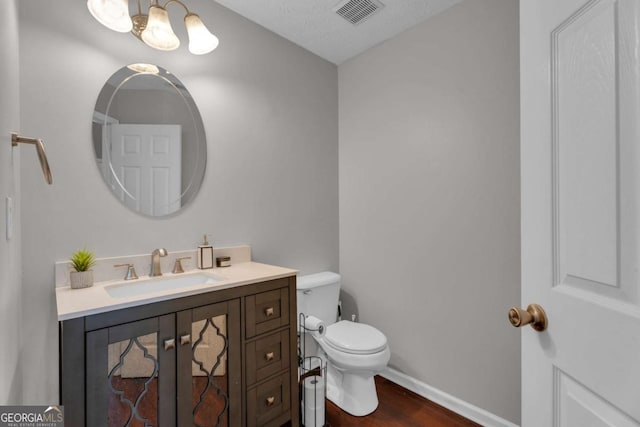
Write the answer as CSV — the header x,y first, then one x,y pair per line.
x,y
356,11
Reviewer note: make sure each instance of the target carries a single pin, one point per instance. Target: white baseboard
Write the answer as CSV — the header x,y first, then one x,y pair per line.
x,y
450,402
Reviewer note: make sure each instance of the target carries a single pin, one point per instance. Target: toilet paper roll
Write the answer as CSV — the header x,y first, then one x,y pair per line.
x,y
313,401
315,326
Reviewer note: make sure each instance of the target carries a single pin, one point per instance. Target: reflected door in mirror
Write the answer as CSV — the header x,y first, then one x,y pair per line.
x,y
145,163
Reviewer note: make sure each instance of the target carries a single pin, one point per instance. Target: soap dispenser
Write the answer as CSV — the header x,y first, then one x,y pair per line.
x,y
205,254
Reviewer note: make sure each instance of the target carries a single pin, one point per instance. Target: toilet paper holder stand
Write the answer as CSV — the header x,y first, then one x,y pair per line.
x,y
312,382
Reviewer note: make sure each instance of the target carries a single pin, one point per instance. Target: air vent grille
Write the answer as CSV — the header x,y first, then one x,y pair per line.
x,y
356,11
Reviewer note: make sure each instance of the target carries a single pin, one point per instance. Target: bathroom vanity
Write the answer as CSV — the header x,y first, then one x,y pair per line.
x,y
182,353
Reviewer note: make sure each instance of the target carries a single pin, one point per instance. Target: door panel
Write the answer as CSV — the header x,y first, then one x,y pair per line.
x,y
210,350
585,143
580,86
579,406
130,376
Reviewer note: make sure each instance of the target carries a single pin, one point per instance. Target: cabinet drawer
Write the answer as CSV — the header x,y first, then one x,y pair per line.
x,y
267,401
267,356
266,311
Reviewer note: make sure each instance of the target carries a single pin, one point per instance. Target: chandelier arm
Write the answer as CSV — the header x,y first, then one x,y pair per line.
x,y
179,2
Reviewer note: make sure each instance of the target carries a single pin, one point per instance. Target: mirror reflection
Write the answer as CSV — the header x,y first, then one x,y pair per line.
x,y
149,140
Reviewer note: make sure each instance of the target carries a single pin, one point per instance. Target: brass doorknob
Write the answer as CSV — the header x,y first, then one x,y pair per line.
x,y
534,316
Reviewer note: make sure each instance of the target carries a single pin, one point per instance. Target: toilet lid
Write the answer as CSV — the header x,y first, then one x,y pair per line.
x,y
355,338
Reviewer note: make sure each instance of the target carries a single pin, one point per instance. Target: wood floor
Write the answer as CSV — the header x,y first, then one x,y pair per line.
x,y
398,407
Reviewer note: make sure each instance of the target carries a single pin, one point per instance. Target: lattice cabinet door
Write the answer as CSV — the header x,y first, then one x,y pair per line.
x,y
209,366
131,374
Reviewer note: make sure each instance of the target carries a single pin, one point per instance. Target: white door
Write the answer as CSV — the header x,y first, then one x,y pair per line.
x,y
580,157
146,167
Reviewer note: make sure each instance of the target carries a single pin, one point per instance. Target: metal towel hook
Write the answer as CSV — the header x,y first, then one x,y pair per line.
x,y
17,139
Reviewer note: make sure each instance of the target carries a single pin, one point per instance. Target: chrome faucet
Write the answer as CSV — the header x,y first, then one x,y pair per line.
x,y
156,270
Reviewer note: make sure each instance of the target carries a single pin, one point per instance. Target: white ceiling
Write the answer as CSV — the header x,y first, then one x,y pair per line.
x,y
313,25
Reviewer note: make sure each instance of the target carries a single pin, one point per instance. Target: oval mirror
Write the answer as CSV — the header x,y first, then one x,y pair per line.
x,y
149,140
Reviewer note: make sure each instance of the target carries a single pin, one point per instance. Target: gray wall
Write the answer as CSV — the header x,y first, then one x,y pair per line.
x,y
429,200
10,337
270,111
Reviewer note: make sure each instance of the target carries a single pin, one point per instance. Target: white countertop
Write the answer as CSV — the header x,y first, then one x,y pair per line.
x,y
73,303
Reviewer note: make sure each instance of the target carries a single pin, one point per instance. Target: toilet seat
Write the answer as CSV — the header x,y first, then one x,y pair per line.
x,y
355,338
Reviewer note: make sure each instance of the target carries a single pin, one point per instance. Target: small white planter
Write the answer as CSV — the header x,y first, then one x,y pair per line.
x,y
81,279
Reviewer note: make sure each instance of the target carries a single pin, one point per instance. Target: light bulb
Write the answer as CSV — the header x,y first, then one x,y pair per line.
x,y
201,40
159,33
113,14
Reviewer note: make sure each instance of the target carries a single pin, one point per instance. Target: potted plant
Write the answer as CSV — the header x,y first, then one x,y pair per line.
x,y
82,261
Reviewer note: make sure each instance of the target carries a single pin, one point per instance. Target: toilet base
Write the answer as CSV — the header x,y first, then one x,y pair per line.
x,y
353,392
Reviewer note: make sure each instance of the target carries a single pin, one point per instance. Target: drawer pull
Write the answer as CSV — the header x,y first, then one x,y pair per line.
x,y
269,356
271,400
169,344
185,339
268,311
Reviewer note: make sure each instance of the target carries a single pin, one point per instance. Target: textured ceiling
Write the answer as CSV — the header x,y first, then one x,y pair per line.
x,y
313,25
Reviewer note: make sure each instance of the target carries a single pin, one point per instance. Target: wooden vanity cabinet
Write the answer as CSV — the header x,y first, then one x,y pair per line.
x,y
270,357
223,358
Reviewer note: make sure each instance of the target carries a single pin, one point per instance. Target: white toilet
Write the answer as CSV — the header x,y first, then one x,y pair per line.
x,y
354,352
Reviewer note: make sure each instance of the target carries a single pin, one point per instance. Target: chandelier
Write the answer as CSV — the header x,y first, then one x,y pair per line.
x,y
153,27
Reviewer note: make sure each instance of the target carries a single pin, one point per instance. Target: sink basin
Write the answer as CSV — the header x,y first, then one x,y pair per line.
x,y
142,287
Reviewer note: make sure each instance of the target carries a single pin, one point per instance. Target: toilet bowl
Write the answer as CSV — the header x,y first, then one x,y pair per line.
x,y
354,352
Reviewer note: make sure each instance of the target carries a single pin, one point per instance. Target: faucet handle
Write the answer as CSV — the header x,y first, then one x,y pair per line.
x,y
131,271
177,267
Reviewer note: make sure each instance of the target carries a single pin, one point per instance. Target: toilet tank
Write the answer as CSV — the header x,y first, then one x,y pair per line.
x,y
318,296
